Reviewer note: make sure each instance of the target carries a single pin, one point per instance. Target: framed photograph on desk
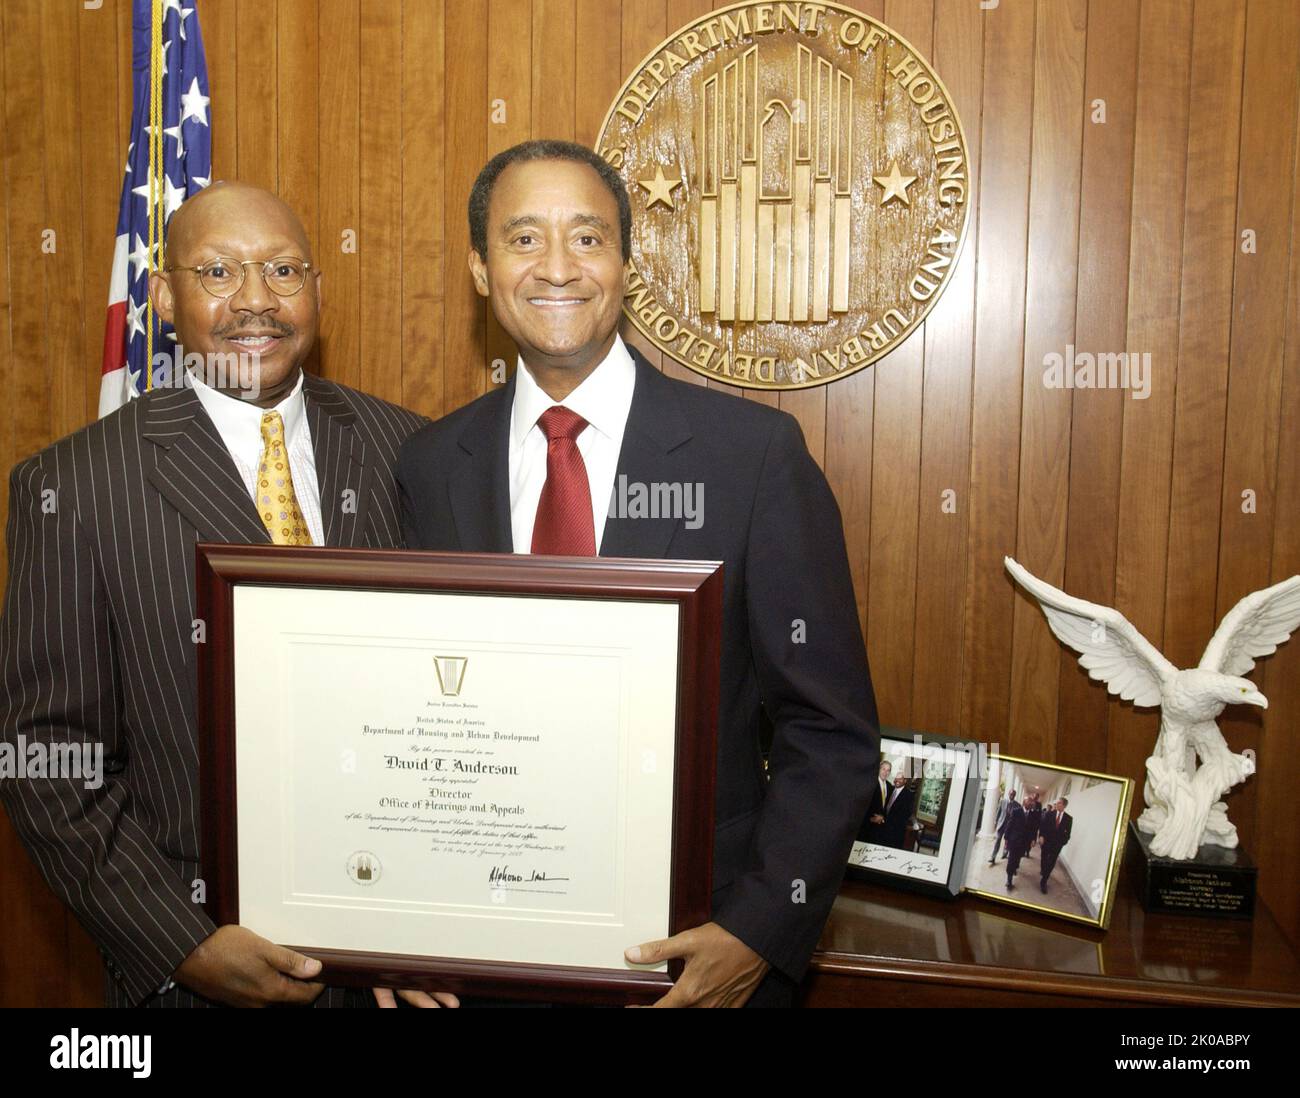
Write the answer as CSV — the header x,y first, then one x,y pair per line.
x,y
1050,838
469,772
917,829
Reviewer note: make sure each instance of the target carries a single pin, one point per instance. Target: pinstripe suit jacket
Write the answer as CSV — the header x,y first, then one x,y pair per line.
x,y
96,646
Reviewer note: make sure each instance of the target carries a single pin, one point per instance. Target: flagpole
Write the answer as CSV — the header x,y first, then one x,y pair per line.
x,y
155,170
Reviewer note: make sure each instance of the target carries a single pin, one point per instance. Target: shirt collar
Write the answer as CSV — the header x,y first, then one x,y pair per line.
x,y
241,420
603,399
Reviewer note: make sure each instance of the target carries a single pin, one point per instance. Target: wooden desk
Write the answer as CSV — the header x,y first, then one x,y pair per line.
x,y
883,947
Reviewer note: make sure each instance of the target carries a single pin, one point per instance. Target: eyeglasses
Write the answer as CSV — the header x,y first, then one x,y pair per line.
x,y
284,275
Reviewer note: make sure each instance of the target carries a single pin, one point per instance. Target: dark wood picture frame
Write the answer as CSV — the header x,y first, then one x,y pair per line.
x,y
694,586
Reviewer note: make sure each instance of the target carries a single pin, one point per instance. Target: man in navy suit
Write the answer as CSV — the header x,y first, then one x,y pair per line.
x,y
1055,828
873,826
1015,834
1033,815
1004,817
532,467
898,813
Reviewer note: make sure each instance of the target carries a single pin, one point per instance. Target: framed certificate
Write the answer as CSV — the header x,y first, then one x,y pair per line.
x,y
478,773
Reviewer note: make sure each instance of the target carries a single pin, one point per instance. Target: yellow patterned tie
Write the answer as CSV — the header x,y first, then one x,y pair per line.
x,y
276,501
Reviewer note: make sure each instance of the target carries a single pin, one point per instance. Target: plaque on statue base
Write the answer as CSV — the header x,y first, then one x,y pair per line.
x,y
1218,882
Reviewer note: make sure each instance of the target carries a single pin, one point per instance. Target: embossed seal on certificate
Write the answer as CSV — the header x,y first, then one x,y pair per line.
x,y
451,674
364,867
800,190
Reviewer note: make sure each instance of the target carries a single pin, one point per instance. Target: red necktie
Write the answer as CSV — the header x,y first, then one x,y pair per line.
x,y
564,524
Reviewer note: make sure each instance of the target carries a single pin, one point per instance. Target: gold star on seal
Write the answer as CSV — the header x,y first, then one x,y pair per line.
x,y
895,184
660,188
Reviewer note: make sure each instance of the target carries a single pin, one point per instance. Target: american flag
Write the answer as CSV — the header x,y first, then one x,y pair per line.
x,y
185,168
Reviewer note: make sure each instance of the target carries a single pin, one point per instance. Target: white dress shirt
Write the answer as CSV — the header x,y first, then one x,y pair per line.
x,y
239,423
603,400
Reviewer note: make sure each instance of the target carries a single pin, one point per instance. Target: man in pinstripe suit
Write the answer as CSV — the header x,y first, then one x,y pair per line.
x,y
96,640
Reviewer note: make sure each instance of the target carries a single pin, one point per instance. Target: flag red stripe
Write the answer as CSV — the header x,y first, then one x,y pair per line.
x,y
115,338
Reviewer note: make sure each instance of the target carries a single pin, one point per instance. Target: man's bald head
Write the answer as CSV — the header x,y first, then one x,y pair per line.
x,y
230,206
241,228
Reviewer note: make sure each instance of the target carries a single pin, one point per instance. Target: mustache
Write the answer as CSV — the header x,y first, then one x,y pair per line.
x,y
237,327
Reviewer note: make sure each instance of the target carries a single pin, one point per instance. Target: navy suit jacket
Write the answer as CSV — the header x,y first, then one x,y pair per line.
x,y
897,816
1033,817
1055,837
1015,829
792,648
869,832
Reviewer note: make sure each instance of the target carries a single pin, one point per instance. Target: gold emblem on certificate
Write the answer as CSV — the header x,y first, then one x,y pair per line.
x,y
451,674
364,867
799,183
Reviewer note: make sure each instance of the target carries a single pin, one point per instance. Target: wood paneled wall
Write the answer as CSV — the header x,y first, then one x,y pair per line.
x,y
374,116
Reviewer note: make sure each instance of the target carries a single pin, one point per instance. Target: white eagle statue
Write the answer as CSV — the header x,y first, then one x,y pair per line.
x,y
1184,809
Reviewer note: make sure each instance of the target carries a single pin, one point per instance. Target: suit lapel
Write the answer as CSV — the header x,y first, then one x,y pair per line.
x,y
480,486
194,471
654,452
342,469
